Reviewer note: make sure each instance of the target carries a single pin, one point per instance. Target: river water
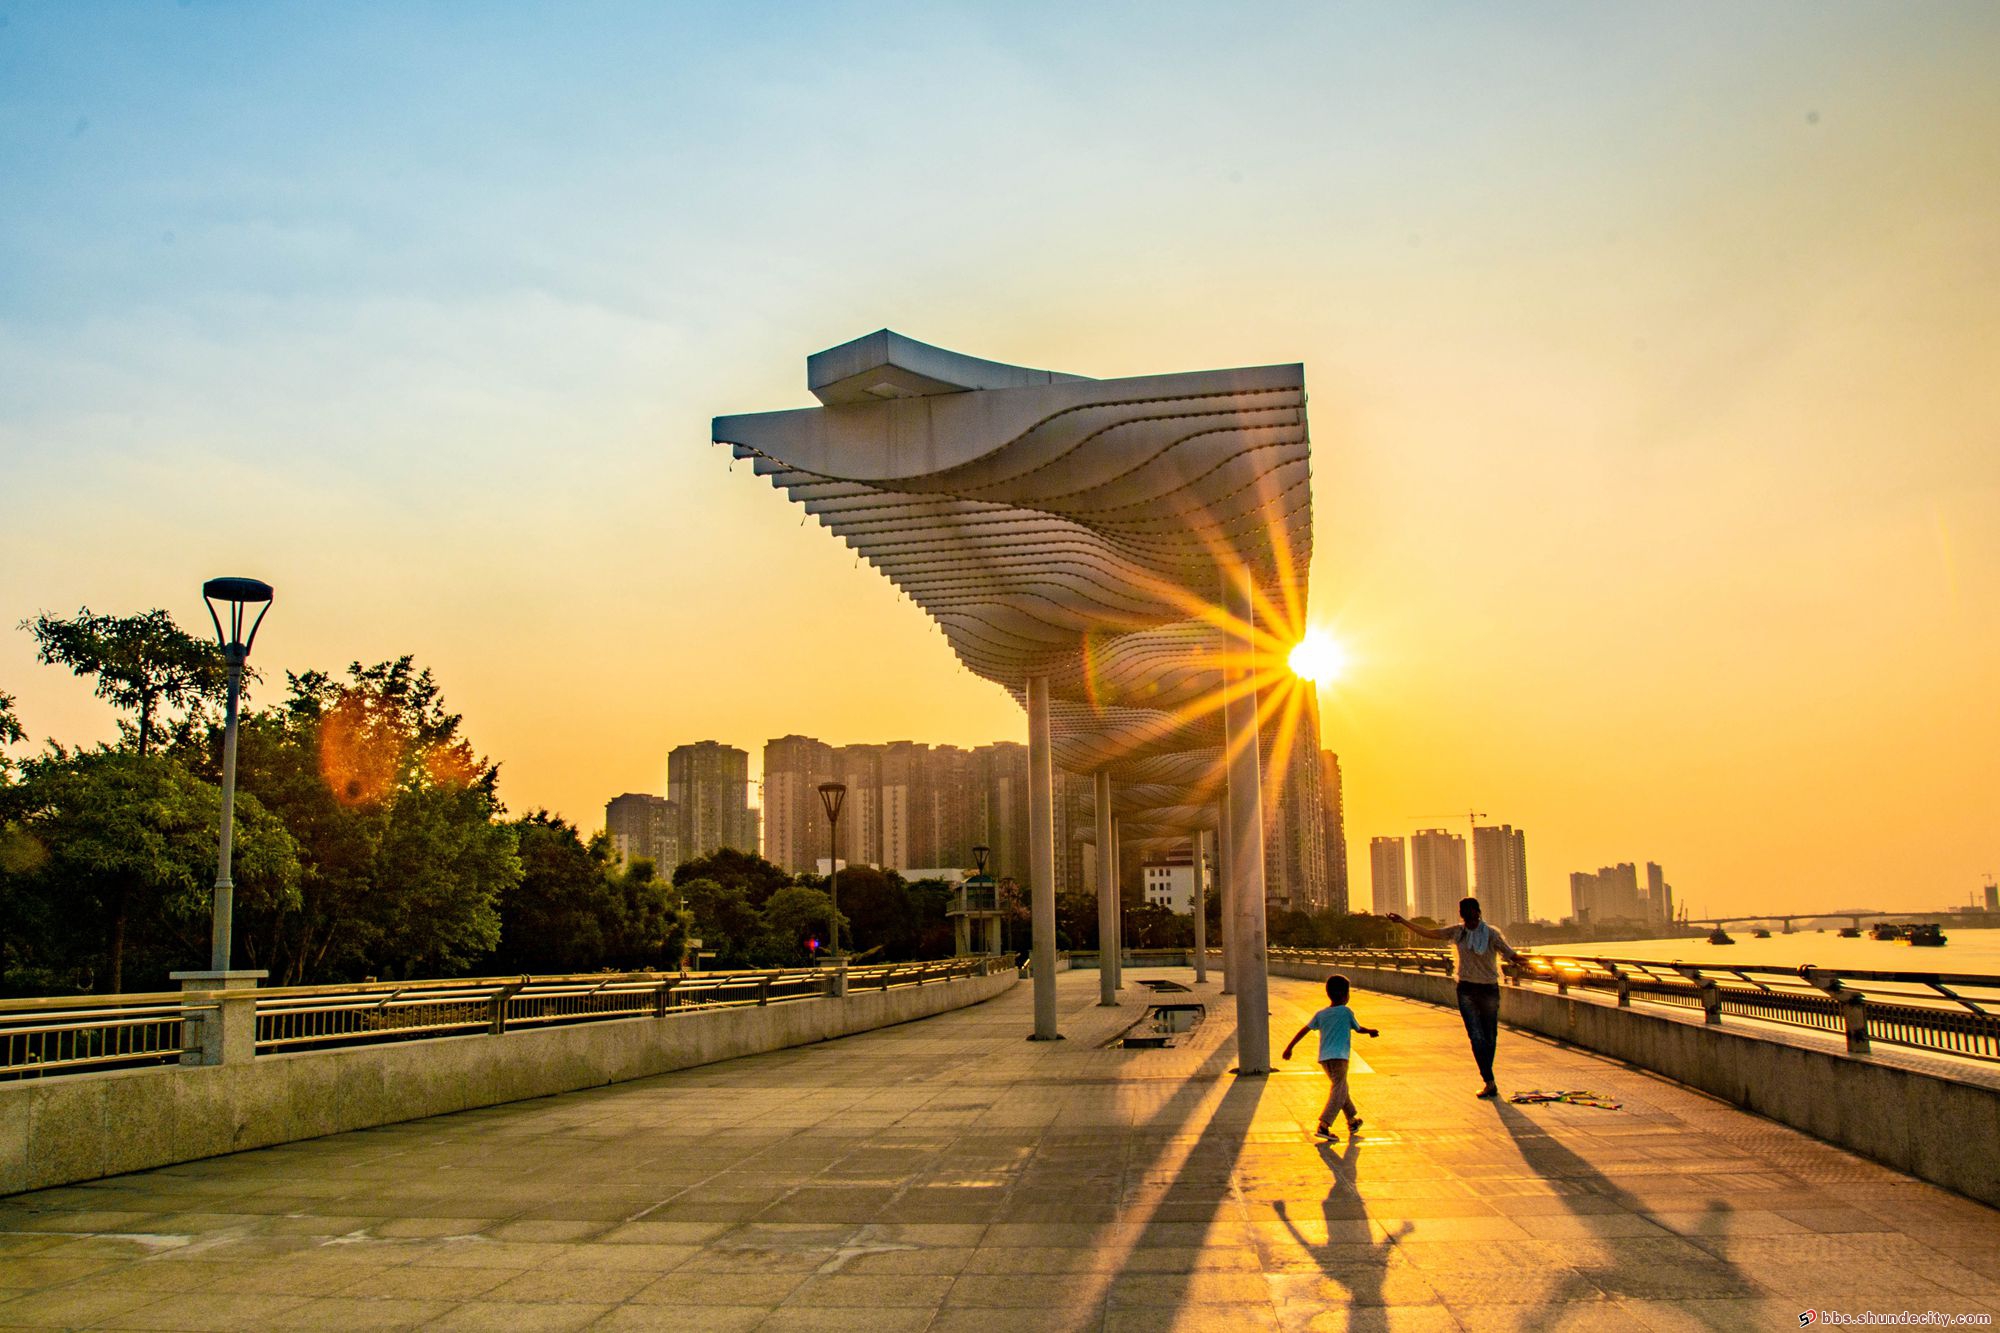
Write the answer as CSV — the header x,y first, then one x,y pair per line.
x,y
1965,951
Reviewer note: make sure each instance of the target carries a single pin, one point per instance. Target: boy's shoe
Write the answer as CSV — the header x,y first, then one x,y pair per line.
x,y
1354,1126
1489,1091
1323,1131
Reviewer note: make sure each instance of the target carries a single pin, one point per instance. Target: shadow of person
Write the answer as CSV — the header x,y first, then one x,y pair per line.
x,y
1345,1248
1654,1265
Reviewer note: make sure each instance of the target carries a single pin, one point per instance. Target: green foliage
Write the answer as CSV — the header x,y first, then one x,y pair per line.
x,y
110,858
876,904
142,663
10,726
758,878
403,859
723,918
574,911
790,917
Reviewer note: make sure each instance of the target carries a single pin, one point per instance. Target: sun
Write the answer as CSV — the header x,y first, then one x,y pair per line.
x,y
1318,658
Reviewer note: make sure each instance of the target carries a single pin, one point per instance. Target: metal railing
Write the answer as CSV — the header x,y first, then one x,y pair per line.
x,y
67,1033
1941,1012
74,1034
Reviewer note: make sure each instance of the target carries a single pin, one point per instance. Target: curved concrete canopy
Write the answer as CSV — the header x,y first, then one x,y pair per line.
x,y
1068,528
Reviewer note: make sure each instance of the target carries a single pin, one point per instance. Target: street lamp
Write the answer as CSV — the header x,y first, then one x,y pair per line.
x,y
238,595
832,795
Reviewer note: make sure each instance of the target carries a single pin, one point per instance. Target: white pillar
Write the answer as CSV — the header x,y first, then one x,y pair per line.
x,y
1200,837
1246,833
1117,909
1042,857
1107,896
1225,889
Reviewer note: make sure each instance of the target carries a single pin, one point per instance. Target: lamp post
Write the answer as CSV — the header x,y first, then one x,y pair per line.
x,y
238,595
832,795
989,900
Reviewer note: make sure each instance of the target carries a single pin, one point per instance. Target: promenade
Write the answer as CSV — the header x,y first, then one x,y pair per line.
x,y
947,1176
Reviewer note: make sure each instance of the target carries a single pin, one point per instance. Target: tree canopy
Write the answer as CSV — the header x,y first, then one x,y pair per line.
x,y
142,663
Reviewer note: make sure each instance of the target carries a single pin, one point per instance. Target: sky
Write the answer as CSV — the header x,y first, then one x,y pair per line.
x,y
1653,355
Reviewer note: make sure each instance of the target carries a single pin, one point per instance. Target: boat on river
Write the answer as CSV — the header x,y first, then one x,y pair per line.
x,y
1883,930
1760,933
1850,932
1926,936
1719,936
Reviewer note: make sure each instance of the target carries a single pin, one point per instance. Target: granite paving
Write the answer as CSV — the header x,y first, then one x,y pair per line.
x,y
947,1176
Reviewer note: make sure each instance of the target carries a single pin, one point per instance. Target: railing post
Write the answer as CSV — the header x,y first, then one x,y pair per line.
x,y
764,989
226,1033
1855,1004
663,998
1853,1007
496,1007
1624,983
1711,1002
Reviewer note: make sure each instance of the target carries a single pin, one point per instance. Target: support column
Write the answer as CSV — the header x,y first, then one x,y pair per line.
x,y
1225,890
1042,857
1200,837
1107,896
992,931
1246,832
1117,909
961,936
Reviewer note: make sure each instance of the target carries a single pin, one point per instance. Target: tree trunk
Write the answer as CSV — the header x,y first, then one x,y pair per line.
x,y
118,941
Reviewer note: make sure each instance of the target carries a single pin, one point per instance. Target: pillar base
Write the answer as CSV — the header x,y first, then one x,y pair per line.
x,y
226,1032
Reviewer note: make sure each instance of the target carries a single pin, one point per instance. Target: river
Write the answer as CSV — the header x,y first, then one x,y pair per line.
x,y
1965,951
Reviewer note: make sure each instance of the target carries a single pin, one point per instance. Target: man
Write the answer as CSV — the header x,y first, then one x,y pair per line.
x,y
1479,947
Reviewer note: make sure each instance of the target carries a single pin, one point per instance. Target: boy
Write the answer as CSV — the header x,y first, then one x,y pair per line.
x,y
1334,1024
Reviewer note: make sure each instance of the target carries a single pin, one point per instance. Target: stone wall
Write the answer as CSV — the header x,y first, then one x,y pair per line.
x,y
54,1131
1937,1128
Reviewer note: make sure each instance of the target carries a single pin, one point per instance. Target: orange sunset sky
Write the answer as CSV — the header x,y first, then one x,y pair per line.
x,y
1653,352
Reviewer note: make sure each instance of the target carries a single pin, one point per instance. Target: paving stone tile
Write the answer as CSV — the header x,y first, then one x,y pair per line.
x,y
1065,1186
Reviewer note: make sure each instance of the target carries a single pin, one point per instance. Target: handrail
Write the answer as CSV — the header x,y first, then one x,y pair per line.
x,y
1948,1013
47,1035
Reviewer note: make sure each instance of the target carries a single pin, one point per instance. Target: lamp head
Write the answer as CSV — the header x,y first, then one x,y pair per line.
x,y
979,855
832,795
236,594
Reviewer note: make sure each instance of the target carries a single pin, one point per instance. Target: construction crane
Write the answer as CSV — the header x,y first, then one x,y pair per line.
x,y
1472,817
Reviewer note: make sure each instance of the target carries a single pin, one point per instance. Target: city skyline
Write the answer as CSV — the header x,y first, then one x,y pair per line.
x,y
1652,401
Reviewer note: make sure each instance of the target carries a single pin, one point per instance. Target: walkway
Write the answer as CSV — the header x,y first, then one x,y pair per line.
x,y
949,1177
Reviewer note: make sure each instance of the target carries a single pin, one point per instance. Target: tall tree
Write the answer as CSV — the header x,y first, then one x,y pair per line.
x,y
403,857
124,857
10,726
142,663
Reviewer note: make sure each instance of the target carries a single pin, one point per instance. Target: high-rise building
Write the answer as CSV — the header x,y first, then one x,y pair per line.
x,y
1388,876
1297,858
642,825
795,834
1659,895
860,767
710,782
1001,772
1332,798
1437,865
1993,897
1611,894
1500,873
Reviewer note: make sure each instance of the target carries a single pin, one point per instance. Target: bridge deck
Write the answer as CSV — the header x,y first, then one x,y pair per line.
x,y
948,1176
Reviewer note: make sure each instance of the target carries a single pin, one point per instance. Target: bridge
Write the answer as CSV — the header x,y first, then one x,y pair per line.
x,y
944,1176
1853,915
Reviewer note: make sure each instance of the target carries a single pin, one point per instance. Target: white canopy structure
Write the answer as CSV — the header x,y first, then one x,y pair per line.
x,y
1104,550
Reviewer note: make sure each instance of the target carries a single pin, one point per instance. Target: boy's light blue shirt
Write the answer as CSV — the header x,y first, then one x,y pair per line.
x,y
1335,1025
